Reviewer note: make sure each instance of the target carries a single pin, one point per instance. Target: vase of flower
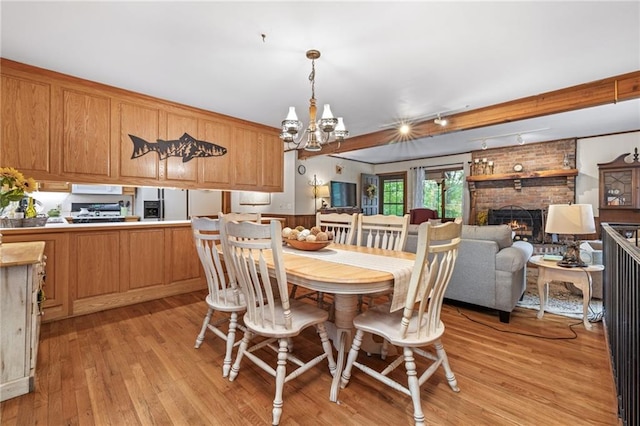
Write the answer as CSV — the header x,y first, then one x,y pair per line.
x,y
13,186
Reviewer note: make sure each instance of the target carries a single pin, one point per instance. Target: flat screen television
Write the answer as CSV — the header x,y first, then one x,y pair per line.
x,y
343,194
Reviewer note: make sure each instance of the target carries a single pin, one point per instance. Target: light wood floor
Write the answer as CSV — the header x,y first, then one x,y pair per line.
x,y
137,365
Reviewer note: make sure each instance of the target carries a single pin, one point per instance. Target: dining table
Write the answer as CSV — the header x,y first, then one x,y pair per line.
x,y
347,271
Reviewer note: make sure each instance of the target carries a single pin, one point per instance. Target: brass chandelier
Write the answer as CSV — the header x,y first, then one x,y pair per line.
x,y
318,132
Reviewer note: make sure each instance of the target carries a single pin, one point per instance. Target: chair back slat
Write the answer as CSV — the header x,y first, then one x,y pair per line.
x,y
250,245
342,225
387,232
206,235
435,258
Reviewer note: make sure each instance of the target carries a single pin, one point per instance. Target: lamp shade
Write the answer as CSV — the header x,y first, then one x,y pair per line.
x,y
570,219
323,191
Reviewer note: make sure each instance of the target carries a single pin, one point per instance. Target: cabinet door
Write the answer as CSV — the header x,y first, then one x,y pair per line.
x,y
216,170
183,263
272,162
86,136
144,258
143,122
176,168
25,137
618,188
246,154
96,266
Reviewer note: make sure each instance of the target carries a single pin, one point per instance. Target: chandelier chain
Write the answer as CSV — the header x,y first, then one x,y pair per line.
x,y
312,79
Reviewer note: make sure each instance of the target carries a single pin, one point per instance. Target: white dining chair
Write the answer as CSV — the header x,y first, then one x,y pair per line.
x,y
224,296
341,225
272,316
414,328
343,228
387,232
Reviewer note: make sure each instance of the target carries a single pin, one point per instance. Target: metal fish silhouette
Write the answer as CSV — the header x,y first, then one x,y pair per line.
x,y
186,147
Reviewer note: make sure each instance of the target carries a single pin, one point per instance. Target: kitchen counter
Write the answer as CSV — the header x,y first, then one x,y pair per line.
x,y
96,266
66,227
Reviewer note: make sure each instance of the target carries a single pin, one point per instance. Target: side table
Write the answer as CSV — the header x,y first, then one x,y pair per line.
x,y
548,270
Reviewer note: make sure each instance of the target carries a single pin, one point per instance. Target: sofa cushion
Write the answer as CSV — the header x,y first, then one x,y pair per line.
x,y
501,234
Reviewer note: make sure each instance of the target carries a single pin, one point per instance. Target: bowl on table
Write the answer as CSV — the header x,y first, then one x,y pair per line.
x,y
307,245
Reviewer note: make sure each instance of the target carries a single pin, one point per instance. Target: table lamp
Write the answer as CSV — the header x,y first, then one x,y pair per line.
x,y
573,219
323,192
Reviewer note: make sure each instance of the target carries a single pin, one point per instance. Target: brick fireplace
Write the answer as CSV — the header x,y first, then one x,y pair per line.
x,y
508,196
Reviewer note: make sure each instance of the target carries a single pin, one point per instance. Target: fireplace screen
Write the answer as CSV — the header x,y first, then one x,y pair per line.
x,y
527,225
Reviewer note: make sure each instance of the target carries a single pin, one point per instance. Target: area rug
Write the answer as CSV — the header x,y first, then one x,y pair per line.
x,y
561,302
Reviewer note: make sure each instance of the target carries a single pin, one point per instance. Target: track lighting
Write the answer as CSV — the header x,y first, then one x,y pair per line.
x,y
484,144
520,140
440,121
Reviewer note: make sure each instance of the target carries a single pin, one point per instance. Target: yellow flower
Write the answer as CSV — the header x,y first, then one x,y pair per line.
x,y
13,185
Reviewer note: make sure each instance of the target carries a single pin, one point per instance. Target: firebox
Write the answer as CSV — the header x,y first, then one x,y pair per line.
x,y
526,224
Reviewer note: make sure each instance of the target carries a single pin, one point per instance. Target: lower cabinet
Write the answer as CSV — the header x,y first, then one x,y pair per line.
x,y
21,274
118,268
93,268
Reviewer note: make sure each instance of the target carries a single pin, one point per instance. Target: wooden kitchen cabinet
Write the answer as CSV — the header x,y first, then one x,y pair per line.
x,y
86,135
25,136
179,123
619,194
216,171
21,272
59,128
114,268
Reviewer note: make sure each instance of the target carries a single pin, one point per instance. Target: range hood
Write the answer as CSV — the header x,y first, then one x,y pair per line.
x,y
96,189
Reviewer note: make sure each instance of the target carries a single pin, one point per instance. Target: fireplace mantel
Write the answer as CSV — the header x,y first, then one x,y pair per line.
x,y
527,175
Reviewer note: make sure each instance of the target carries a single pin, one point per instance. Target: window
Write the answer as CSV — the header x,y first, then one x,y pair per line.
x,y
392,191
447,185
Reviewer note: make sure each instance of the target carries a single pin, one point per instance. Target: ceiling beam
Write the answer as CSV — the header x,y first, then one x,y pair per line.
x,y
609,90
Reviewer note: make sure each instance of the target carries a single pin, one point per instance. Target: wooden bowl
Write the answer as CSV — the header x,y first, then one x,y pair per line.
x,y
307,245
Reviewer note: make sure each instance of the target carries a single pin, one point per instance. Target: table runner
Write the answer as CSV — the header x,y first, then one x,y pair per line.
x,y
400,268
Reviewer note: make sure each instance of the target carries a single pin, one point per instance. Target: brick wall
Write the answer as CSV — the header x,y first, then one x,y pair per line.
x,y
535,193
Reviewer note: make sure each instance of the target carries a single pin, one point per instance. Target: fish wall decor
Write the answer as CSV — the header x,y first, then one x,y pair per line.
x,y
186,147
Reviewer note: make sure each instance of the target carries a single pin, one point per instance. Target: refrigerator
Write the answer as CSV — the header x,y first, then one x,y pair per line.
x,y
161,204
176,204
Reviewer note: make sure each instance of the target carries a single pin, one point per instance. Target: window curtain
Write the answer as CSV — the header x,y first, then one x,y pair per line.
x,y
418,192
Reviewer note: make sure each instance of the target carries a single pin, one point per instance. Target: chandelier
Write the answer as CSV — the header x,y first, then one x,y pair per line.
x,y
325,130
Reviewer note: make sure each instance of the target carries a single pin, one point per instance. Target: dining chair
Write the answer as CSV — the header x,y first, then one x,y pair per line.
x,y
343,227
224,296
417,326
387,232
272,316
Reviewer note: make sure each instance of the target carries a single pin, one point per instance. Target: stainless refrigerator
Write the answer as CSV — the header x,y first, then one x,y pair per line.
x,y
161,203
175,204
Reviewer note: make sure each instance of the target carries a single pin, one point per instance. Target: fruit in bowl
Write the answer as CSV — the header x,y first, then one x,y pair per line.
x,y
305,239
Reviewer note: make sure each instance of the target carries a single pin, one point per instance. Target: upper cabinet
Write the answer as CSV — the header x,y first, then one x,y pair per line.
x,y
26,124
86,134
61,128
620,190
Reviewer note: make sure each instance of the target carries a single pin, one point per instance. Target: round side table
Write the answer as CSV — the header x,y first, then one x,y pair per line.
x,y
548,270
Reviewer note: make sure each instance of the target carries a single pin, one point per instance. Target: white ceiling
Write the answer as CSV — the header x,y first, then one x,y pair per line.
x,y
381,61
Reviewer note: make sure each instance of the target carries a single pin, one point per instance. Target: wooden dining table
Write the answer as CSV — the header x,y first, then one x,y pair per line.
x,y
346,282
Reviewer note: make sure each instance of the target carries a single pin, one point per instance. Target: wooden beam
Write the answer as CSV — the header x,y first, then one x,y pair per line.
x,y
609,90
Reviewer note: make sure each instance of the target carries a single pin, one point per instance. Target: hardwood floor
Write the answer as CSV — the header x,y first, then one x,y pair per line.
x,y
137,366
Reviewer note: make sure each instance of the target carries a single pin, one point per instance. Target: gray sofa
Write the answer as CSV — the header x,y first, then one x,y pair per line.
x,y
490,270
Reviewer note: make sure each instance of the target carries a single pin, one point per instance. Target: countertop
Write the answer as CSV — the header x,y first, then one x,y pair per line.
x,y
73,227
13,254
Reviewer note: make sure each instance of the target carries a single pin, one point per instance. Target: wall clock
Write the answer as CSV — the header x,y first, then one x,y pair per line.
x,y
302,169
517,167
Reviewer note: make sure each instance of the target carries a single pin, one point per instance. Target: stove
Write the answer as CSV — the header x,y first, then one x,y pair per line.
x,y
95,213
